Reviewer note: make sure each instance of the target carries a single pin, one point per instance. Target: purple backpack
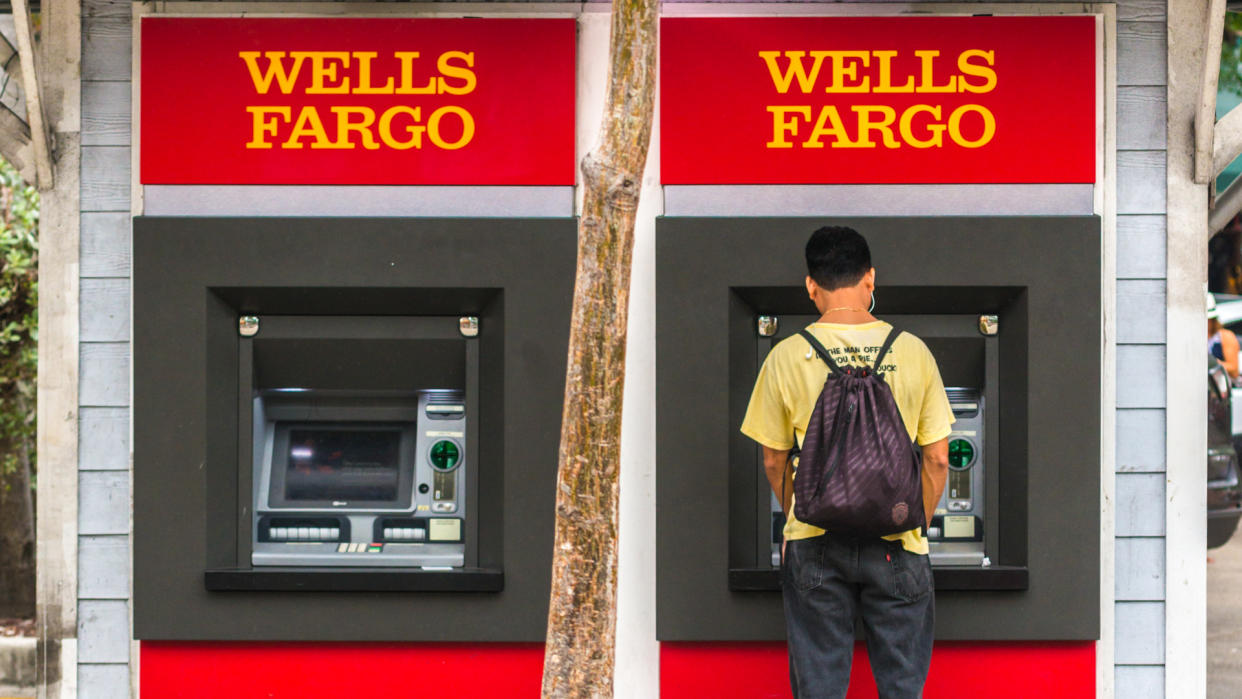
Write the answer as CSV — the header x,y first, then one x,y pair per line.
x,y
858,471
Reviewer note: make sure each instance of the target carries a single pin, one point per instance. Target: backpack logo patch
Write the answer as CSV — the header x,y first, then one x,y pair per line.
x,y
901,511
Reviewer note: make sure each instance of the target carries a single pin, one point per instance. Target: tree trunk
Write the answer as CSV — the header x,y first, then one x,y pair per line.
x,y
17,545
578,660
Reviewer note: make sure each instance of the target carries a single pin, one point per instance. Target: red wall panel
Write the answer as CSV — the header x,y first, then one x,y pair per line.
x,y
977,670
338,670
875,100
272,100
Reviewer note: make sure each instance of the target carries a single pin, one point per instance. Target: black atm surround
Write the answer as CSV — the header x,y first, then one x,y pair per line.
x,y
193,277
1041,275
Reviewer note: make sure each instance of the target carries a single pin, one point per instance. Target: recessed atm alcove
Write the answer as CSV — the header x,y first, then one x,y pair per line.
x,y
978,535
346,429
1016,551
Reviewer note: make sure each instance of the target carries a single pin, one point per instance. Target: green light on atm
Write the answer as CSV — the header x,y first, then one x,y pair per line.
x,y
961,453
444,454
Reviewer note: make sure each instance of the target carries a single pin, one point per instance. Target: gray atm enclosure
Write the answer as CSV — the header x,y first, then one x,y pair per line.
x,y
1038,425
362,315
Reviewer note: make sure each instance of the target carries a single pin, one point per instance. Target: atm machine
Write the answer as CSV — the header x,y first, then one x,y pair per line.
x,y
360,480
966,355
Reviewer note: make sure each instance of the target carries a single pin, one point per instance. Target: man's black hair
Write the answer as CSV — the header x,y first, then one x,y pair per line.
x,y
837,257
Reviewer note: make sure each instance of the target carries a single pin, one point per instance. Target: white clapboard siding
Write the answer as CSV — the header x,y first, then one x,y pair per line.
x,y
103,631
103,502
105,244
1140,182
1140,504
1141,11
1140,440
1140,682
103,313
103,439
1140,569
1140,376
103,567
105,113
1141,311
1141,58
105,178
104,636
1141,247
1140,635
1139,553
103,681
106,49
1141,117
109,9
103,378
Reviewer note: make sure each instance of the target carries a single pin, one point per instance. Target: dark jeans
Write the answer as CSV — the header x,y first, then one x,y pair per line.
x,y
827,581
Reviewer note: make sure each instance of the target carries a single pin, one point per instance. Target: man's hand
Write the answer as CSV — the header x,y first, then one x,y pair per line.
x,y
780,477
935,471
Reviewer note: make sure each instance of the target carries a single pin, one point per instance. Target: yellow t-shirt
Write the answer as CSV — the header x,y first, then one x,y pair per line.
x,y
793,376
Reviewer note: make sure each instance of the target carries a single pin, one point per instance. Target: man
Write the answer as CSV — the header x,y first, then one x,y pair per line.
x,y
829,578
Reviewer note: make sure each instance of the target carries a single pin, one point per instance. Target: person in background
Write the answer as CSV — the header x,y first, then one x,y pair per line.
x,y
1222,343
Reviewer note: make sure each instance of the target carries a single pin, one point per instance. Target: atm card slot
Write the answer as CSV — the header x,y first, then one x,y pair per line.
x,y
285,529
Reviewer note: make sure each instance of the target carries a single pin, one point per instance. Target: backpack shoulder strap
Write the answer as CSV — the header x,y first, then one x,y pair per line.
x,y
820,350
888,343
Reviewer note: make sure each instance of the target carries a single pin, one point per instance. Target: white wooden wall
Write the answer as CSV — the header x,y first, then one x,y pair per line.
x,y
104,460
104,452
1140,559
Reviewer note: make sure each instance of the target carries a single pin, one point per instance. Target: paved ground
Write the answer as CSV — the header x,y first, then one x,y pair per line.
x,y
1224,620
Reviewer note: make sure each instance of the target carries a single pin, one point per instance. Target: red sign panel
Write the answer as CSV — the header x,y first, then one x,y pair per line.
x,y
357,101
826,100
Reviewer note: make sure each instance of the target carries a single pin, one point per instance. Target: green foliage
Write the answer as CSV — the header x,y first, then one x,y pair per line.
x,y
1231,55
19,306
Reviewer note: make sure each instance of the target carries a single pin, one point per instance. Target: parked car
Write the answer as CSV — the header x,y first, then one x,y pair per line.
x,y
1224,495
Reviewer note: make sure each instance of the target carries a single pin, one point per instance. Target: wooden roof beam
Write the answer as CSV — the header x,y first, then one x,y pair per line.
x,y
35,115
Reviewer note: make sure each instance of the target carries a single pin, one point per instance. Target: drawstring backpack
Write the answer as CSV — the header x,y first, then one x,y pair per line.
x,y
858,471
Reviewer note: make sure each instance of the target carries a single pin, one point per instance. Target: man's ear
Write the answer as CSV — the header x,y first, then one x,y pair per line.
x,y
870,277
811,287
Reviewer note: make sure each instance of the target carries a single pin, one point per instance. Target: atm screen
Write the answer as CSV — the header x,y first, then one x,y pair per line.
x,y
342,465
339,464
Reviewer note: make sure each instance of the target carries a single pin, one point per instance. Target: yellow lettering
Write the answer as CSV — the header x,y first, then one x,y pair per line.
x,y
884,83
308,124
365,87
955,126
406,86
263,126
979,71
782,126
467,127
796,69
935,128
845,66
928,81
275,70
324,65
835,128
865,125
414,130
448,70
345,124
